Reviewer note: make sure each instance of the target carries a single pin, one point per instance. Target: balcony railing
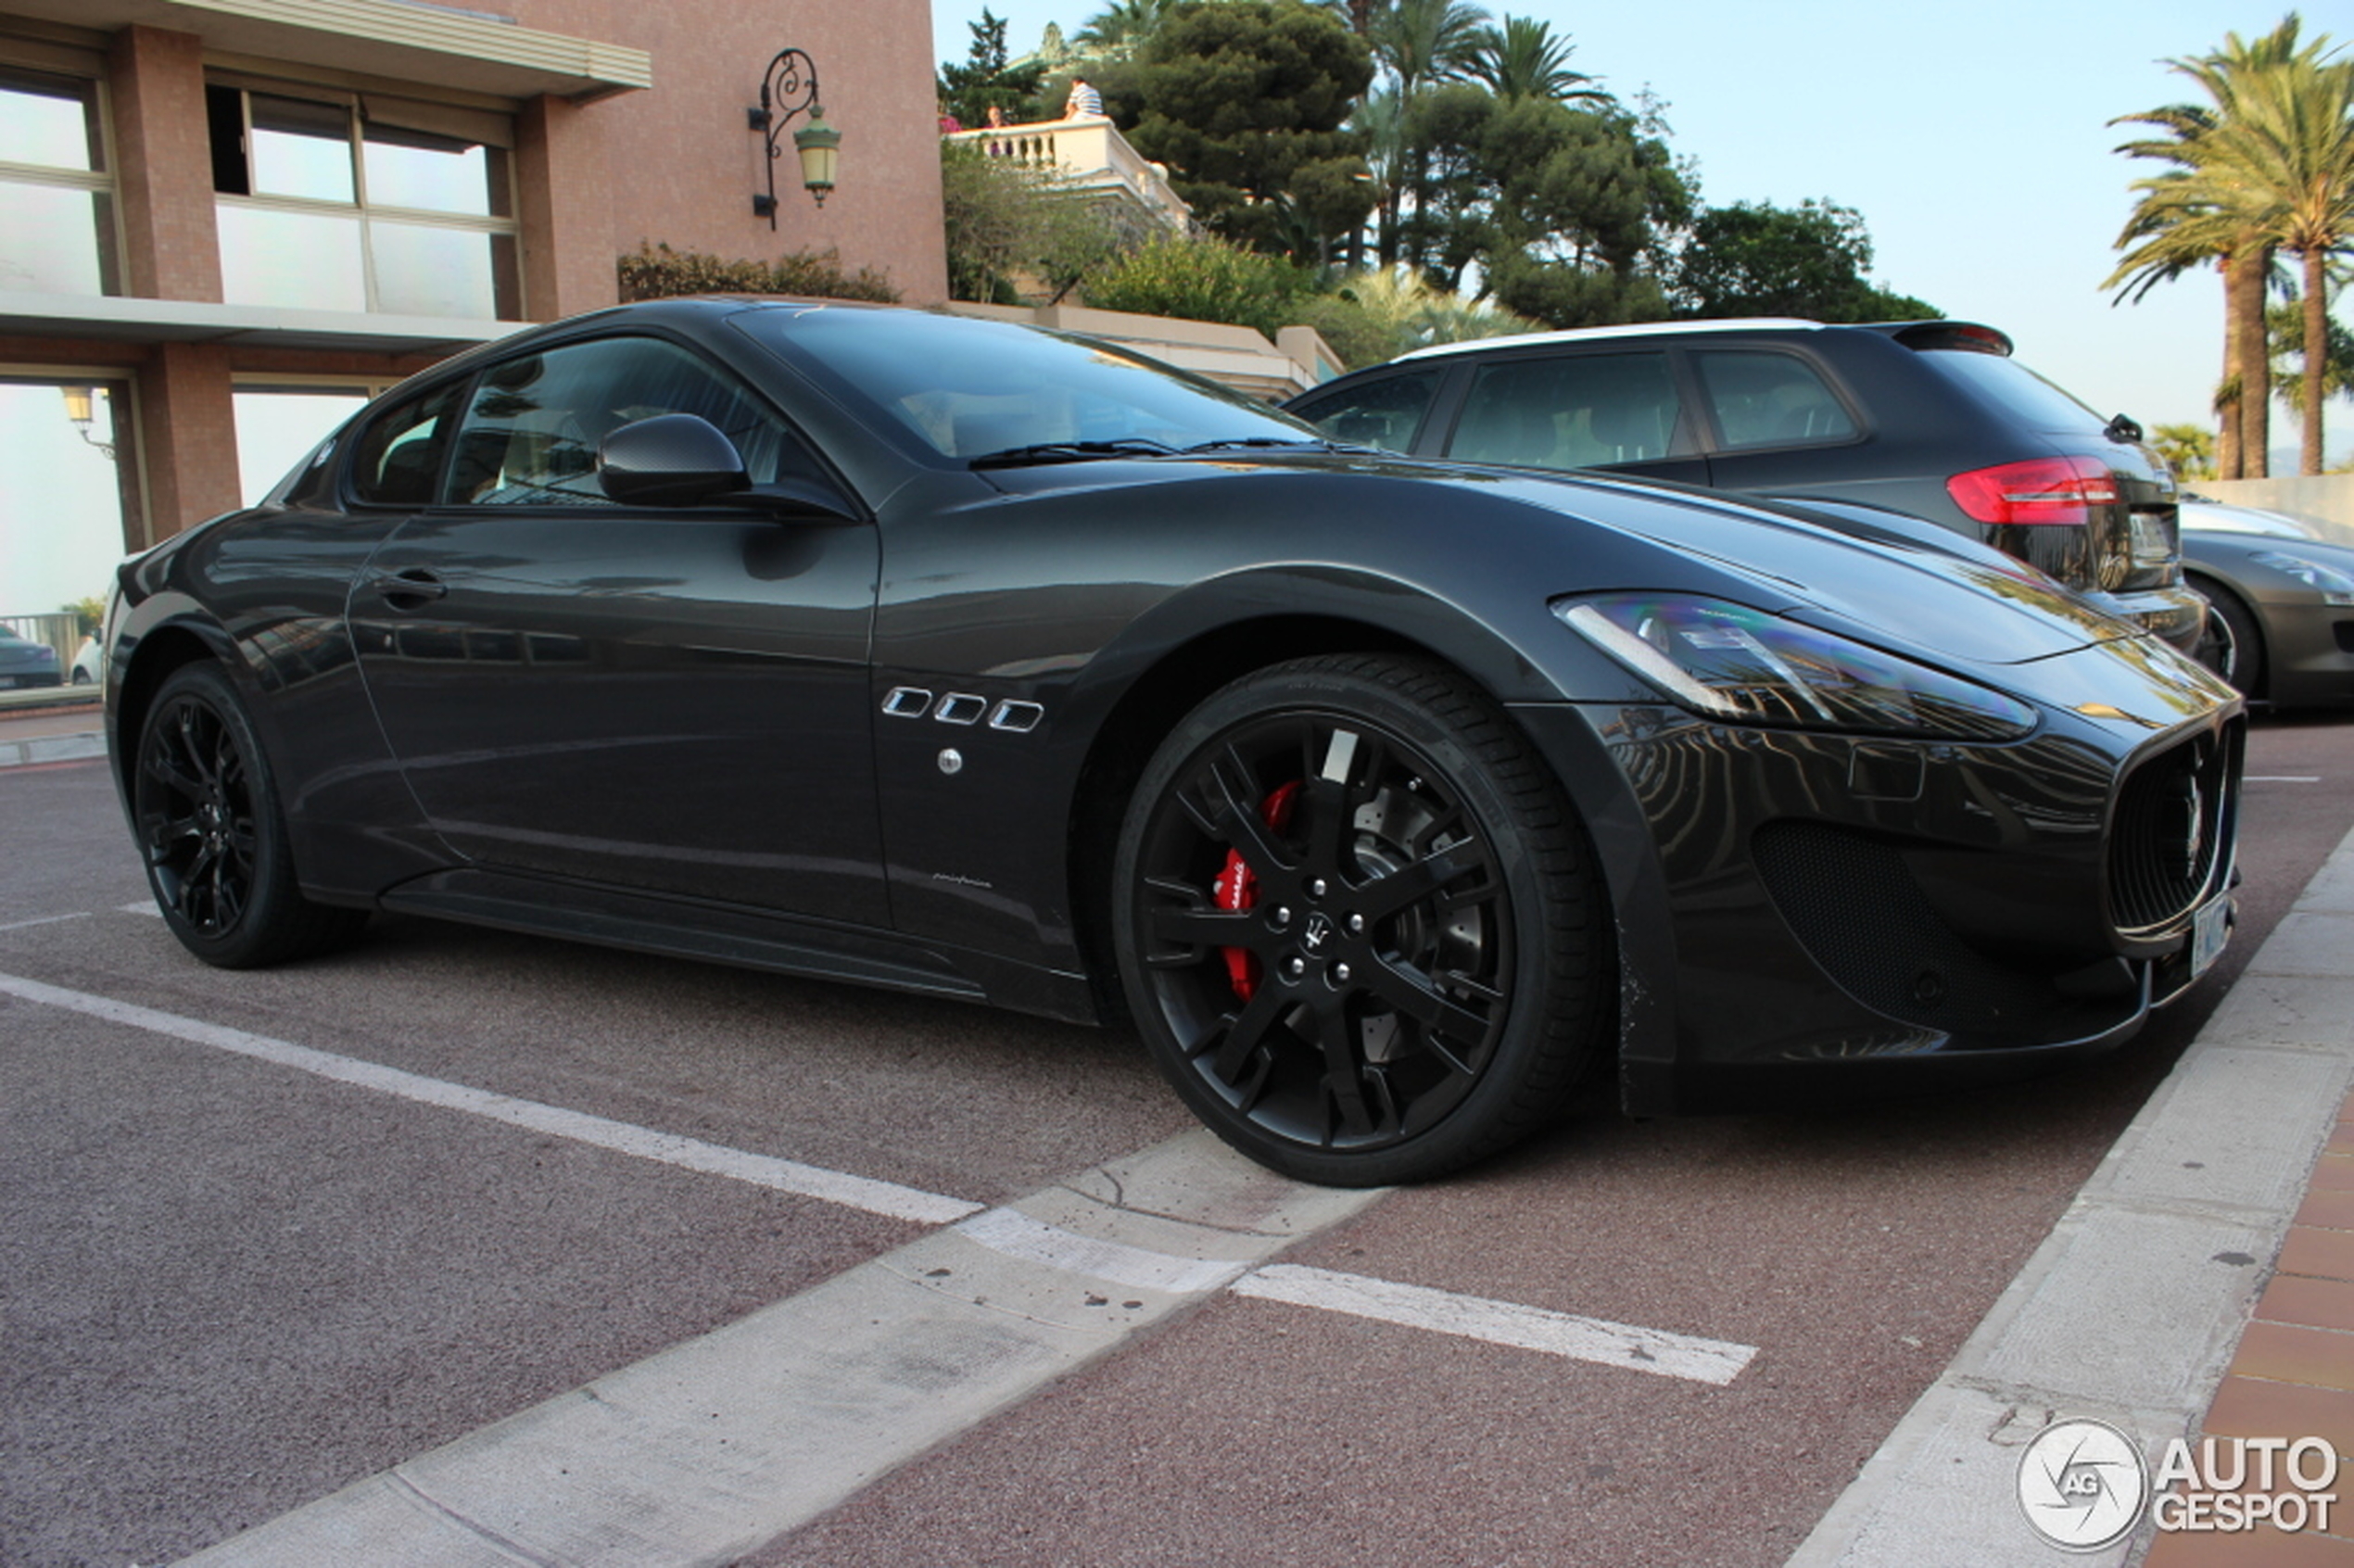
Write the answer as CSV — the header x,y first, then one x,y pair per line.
x,y
1091,156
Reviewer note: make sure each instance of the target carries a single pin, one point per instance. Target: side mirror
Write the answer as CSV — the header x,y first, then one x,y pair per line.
x,y
670,460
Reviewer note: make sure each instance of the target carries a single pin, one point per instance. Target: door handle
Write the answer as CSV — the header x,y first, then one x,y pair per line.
x,y
411,590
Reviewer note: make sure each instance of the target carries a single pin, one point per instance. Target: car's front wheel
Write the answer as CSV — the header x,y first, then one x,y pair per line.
x,y
2234,645
214,834
1359,925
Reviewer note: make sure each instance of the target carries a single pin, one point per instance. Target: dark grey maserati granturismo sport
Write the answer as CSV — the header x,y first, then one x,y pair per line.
x,y
1387,797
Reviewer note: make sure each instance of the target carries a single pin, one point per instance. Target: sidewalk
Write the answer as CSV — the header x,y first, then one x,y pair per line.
x,y
51,732
2208,1263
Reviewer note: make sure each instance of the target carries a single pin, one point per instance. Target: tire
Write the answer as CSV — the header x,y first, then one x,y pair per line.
x,y
2238,640
1416,969
214,836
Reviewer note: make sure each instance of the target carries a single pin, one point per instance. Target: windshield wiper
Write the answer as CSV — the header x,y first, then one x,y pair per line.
x,y
1314,442
1072,452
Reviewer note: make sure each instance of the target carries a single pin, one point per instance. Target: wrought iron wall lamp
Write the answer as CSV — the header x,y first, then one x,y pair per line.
x,y
788,87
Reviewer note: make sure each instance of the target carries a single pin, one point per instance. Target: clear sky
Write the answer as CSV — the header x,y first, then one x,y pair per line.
x,y
1974,139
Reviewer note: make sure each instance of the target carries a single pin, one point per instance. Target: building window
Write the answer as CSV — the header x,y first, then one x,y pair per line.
x,y
54,186
280,424
67,507
364,204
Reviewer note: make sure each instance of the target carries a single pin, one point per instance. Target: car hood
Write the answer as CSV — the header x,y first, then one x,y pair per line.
x,y
2323,552
1957,604
2218,517
1948,606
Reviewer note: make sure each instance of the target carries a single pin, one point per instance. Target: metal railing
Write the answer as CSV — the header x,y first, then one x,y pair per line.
x,y
60,631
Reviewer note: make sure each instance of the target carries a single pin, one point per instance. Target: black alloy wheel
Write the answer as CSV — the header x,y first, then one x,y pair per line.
x,y
214,838
1358,924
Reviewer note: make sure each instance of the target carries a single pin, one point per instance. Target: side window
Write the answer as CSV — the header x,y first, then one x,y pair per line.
x,y
532,434
1384,414
1579,411
399,455
1767,400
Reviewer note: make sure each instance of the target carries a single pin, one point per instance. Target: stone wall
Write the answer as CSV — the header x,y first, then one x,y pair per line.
x,y
2326,500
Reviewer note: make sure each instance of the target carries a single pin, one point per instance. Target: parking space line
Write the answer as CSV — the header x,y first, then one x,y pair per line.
x,y
886,1198
706,1449
1502,1322
44,921
1018,1235
705,1452
144,906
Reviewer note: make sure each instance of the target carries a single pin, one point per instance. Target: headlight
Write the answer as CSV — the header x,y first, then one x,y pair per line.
x,y
2334,586
1726,662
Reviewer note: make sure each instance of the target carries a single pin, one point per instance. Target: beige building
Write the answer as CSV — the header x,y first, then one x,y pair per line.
x,y
223,223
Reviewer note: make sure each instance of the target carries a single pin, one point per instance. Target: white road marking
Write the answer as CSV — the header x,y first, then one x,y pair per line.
x,y
886,1198
144,906
1502,1322
707,1449
2281,778
44,921
1018,1235
701,1453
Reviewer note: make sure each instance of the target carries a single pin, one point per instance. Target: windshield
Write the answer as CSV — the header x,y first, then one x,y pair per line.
x,y
2016,390
969,389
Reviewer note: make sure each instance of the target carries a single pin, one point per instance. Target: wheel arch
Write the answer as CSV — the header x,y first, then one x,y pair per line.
x,y
2218,589
1177,681
167,648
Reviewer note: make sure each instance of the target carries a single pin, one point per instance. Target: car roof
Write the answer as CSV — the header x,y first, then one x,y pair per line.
x,y
1913,334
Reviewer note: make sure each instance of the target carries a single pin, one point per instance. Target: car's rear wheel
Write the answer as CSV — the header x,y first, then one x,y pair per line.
x,y
214,834
1358,924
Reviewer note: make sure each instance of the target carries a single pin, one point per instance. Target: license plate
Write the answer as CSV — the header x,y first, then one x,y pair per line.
x,y
2211,930
2151,545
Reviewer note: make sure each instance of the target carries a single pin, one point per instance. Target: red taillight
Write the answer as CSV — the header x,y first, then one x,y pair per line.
x,y
2061,489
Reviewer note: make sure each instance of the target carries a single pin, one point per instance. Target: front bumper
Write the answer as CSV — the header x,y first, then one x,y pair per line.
x,y
1819,917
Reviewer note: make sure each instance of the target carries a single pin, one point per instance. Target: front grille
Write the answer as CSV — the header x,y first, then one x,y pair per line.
x,y
2175,816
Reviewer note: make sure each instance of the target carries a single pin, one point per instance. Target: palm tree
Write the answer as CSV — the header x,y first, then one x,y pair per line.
x,y
2178,227
2208,208
1416,315
2287,153
1523,60
2288,342
1418,43
1422,42
1121,27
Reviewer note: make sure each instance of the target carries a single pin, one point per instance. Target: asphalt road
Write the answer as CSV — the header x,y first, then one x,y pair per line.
x,y
232,1286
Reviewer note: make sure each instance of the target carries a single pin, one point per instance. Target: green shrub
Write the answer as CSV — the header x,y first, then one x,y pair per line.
x,y
1202,280
656,271
1359,335
1009,226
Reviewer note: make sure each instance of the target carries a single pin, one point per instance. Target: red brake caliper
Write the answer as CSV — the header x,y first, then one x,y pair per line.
x,y
1237,888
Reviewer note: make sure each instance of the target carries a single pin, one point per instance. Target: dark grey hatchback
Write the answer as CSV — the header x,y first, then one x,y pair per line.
x,y
1932,419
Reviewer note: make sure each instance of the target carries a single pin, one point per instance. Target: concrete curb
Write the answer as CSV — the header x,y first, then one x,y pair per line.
x,y
712,1446
52,748
2131,1310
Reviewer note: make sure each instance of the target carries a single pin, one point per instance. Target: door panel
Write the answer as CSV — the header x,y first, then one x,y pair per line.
x,y
670,703
667,699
